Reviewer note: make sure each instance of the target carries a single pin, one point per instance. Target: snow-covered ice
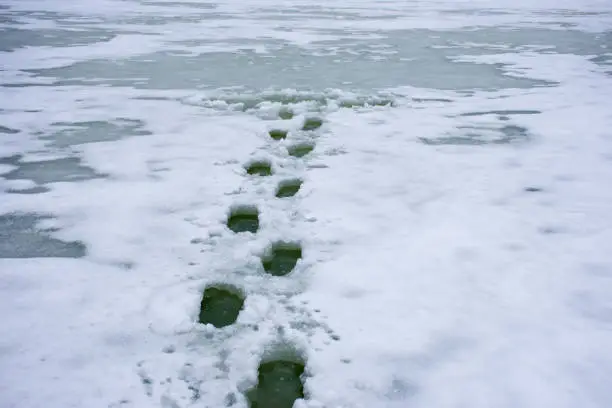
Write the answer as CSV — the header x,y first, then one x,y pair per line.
x,y
454,216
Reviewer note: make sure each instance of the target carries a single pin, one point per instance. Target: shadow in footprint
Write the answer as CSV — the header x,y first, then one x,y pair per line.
x,y
220,305
288,188
281,258
19,238
279,384
301,149
243,219
259,168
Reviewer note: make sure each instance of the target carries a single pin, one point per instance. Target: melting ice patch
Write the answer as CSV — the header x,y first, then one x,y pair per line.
x,y
20,238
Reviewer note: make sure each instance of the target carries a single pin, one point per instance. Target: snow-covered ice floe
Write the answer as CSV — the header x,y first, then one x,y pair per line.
x,y
321,204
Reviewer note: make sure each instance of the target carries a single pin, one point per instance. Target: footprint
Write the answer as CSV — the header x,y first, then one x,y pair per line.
x,y
278,134
221,305
301,149
288,188
312,123
285,114
279,384
243,219
281,258
259,168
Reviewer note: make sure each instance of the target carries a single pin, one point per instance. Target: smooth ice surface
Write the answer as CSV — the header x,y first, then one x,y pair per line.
x,y
51,171
454,216
300,149
19,238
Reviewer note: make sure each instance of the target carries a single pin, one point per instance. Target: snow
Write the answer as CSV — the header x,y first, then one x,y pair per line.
x,y
455,241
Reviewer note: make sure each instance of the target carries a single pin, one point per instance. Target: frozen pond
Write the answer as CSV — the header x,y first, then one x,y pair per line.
x,y
342,203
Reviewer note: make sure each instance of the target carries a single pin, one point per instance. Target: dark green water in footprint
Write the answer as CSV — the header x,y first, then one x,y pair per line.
x,y
300,150
259,168
285,114
220,306
278,134
288,188
281,258
243,219
279,385
312,124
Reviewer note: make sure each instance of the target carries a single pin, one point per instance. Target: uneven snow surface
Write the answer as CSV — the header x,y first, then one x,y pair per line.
x,y
454,216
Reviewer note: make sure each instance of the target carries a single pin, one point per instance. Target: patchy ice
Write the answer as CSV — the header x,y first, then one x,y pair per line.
x,y
439,239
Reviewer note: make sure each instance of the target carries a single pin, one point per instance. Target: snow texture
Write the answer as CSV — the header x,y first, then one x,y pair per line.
x,y
453,216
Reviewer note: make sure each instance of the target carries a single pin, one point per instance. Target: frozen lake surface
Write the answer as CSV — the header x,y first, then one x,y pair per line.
x,y
408,203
